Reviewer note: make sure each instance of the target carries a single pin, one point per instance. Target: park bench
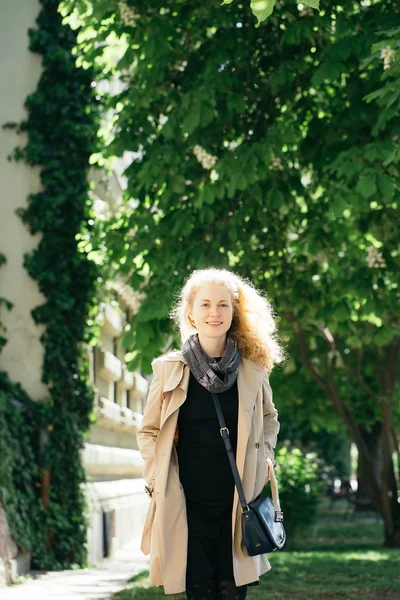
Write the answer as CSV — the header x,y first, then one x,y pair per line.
x,y
355,505
361,505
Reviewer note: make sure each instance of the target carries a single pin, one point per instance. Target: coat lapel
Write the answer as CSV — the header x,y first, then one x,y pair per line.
x,y
178,383
248,385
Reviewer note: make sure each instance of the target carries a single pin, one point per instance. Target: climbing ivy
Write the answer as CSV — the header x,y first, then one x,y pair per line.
x,y
61,128
7,304
19,471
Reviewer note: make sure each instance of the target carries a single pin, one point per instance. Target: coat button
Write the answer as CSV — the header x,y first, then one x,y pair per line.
x,y
257,445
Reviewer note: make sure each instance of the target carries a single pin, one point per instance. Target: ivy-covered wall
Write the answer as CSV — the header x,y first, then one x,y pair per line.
x,y
41,475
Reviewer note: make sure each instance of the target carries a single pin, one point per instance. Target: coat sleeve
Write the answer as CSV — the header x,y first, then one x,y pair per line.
x,y
148,432
271,423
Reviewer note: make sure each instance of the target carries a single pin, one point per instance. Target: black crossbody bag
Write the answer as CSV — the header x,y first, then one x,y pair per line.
x,y
262,519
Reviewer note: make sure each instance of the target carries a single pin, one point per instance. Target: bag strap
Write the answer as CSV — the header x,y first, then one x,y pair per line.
x,y
224,431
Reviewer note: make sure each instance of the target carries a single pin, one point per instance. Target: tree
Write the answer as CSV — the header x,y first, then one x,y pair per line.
x,y
274,151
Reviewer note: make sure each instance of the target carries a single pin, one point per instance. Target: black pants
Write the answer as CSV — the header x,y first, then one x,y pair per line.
x,y
210,588
209,573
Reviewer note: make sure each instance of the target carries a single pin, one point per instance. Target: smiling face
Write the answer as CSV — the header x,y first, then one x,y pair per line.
x,y
212,312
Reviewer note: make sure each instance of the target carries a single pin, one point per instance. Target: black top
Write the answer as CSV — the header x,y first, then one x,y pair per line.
x,y
204,469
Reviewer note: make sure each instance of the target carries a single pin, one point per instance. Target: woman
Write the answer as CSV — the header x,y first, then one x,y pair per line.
x,y
193,527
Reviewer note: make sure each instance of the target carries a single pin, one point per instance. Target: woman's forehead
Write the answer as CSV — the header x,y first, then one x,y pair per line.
x,y
213,291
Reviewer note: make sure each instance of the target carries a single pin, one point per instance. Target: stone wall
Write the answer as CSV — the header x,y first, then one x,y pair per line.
x,y
20,70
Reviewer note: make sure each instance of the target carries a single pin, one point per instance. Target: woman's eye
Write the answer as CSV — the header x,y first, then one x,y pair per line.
x,y
206,304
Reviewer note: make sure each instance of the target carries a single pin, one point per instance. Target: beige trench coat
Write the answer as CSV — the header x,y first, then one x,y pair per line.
x,y
165,532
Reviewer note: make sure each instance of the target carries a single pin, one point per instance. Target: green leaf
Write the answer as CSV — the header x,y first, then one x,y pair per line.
x,y
231,187
192,120
145,364
208,195
275,198
346,168
220,190
256,193
227,2
371,153
367,186
338,206
373,95
262,8
186,229
236,103
232,234
312,3
329,70
168,131
179,224
128,339
341,312
384,336
241,182
208,215
354,341
177,184
206,113
386,186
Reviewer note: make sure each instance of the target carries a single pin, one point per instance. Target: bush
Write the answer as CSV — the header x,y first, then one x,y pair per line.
x,y
299,488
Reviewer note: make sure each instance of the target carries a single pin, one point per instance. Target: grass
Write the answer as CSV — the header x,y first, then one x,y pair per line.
x,y
342,559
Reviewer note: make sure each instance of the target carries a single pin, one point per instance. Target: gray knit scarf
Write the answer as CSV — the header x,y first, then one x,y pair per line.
x,y
205,368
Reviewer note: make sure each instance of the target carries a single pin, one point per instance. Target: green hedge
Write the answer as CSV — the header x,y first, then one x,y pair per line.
x,y
300,490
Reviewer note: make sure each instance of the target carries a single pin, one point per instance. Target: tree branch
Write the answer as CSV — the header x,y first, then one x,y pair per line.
x,y
357,374
354,372
305,356
391,362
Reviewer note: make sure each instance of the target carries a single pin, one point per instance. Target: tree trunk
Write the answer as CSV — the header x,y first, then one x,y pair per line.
x,y
396,447
392,534
372,467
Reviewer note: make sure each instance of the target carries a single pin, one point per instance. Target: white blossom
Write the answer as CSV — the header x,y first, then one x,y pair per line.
x,y
128,16
206,160
375,259
387,54
276,164
181,66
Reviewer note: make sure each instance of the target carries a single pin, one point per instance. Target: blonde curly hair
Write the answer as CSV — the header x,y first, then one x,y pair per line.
x,y
253,323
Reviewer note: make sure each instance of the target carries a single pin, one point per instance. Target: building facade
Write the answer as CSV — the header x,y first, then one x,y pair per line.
x,y
114,489
116,501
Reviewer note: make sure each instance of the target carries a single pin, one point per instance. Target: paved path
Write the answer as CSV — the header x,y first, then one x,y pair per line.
x,y
98,583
